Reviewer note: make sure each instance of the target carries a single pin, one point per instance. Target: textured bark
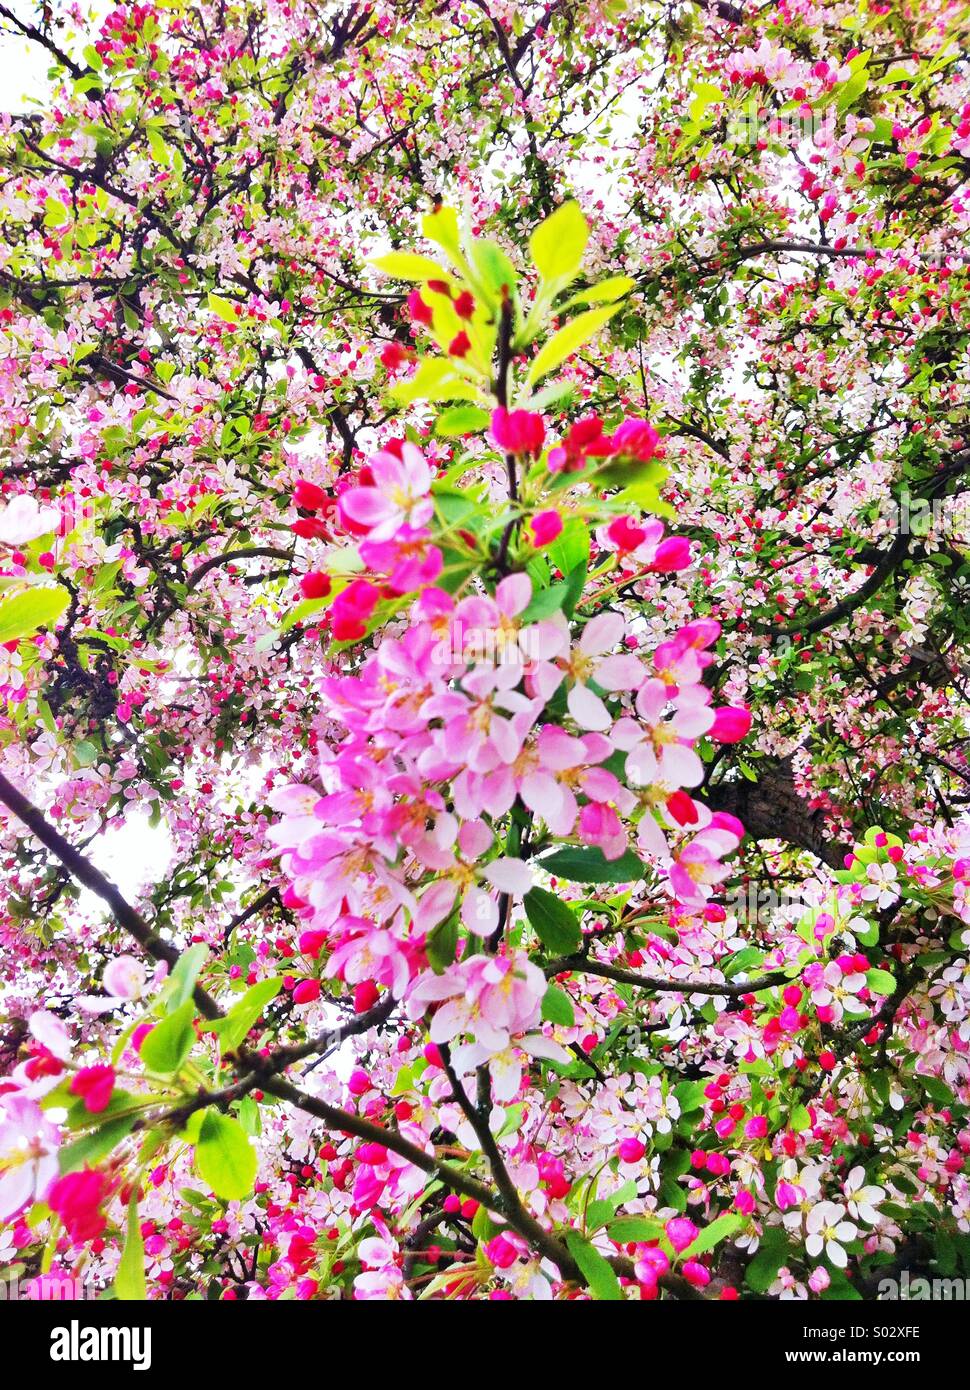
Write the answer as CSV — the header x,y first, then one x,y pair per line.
x,y
771,809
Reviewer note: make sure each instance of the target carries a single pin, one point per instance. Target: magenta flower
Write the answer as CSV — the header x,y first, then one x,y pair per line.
x,y
518,432
545,527
636,439
351,610
731,724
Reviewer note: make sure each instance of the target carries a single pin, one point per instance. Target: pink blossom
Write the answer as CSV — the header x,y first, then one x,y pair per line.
x,y
398,496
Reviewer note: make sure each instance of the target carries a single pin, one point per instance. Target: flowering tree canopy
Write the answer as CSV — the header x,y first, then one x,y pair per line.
x,y
483,490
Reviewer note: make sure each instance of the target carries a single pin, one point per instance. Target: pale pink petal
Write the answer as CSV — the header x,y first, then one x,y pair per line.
x,y
124,977
435,904
680,766
50,1033
541,793
16,1189
474,839
619,673
509,875
479,912
601,633
513,594
538,1045
587,709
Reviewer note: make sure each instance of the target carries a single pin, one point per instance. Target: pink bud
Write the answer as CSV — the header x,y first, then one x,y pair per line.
x,y
731,724
306,991
518,431
546,526
501,1252
672,554
681,1232
695,1273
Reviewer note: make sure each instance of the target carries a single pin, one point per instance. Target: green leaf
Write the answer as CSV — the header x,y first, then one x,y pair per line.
x,y
169,1043
606,292
224,309
558,243
704,95
627,1228
441,227
852,89
185,972
459,420
937,1090
442,943
24,613
435,380
130,1276
569,340
404,265
224,1157
588,864
870,936
722,1228
881,982
55,213
772,1254
571,547
158,147
603,1283
555,924
544,603
232,1029
249,1117
494,269
689,1095
557,1007
90,1148
743,960
840,1288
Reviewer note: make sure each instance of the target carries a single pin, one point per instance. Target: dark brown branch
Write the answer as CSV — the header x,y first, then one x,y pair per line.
x,y
85,873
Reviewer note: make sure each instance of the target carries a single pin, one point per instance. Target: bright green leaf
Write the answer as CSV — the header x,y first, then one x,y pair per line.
x,y
569,340
558,243
588,864
233,1028
169,1043
603,1283
557,1007
224,1157
130,1276
404,265
24,613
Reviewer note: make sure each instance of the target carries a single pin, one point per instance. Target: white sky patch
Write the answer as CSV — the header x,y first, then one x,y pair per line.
x,y
133,856
24,64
